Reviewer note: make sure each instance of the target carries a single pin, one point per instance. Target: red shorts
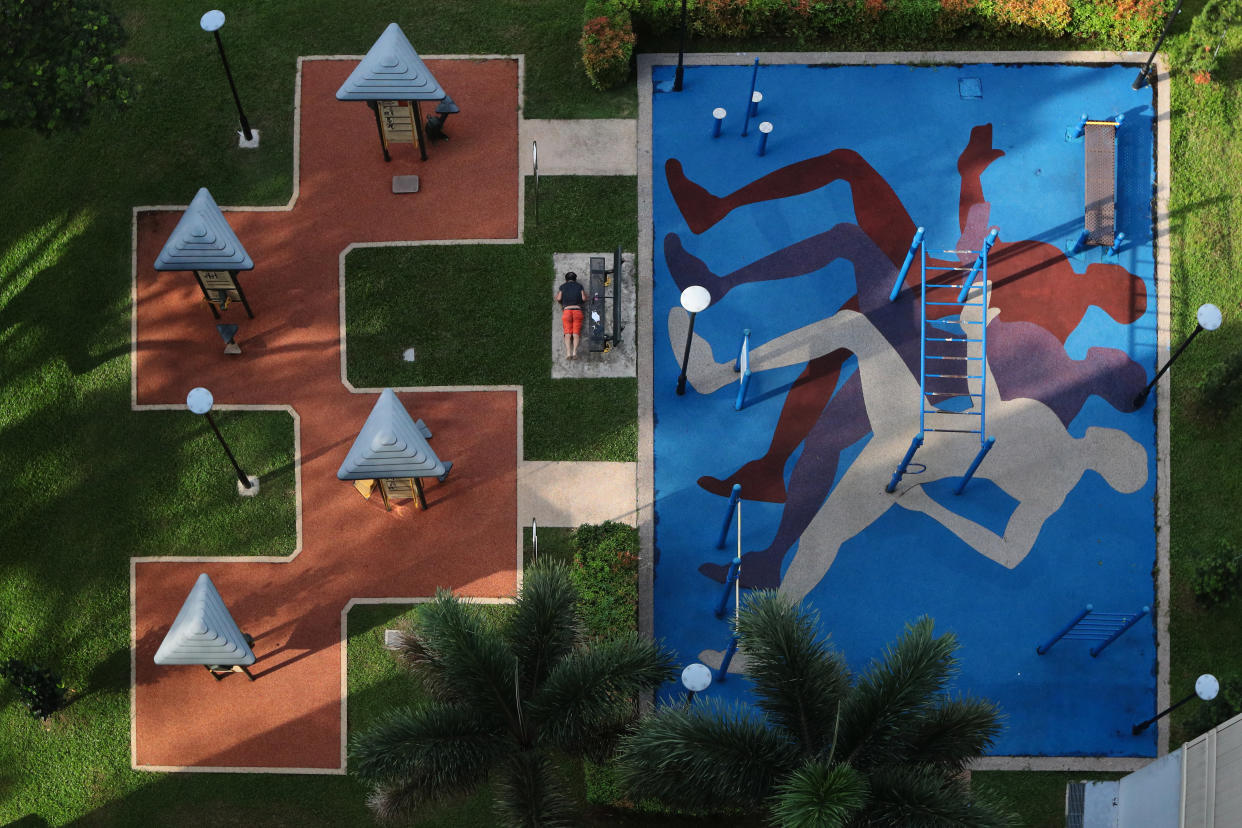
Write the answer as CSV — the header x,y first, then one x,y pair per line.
x,y
571,320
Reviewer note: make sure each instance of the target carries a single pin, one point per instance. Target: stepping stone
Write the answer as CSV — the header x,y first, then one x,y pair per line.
x,y
405,183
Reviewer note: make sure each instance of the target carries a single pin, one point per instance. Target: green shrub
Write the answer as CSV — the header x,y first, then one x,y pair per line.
x,y
1126,24
605,571
40,689
607,45
1217,577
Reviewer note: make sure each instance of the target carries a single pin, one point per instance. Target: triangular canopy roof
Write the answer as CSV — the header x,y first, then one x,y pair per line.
x,y
391,445
203,240
391,71
204,632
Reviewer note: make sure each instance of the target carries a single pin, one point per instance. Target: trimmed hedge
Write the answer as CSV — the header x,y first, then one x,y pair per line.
x,y
608,38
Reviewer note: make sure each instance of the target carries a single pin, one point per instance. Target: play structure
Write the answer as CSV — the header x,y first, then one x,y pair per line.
x,y
1089,625
952,358
205,633
391,453
598,338
204,243
393,80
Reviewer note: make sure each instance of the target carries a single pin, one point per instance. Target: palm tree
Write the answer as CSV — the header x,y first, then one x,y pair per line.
x,y
887,748
505,697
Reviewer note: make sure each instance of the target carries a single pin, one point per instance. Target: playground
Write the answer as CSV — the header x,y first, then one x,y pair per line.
x,y
802,247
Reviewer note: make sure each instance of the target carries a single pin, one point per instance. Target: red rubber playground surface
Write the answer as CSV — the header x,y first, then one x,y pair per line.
x,y
291,716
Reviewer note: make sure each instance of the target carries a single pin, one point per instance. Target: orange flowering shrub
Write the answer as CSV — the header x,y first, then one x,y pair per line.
x,y
606,51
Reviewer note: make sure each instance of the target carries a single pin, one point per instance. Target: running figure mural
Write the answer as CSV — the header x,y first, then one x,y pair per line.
x,y
1036,388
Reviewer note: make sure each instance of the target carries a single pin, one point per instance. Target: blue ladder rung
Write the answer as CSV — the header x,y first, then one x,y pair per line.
x,y
952,413
954,430
955,376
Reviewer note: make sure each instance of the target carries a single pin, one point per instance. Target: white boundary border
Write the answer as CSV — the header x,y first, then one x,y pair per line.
x,y
297,432
1161,241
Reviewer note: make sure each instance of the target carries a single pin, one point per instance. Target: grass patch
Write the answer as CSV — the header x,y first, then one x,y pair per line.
x,y
482,315
1037,796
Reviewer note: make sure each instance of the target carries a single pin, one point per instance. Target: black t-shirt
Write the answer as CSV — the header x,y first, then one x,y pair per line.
x,y
572,295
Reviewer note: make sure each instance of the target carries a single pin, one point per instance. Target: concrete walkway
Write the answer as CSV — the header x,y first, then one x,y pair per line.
x,y
592,146
570,493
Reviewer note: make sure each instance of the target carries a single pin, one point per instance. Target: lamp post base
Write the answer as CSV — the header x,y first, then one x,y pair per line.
x,y
253,143
252,491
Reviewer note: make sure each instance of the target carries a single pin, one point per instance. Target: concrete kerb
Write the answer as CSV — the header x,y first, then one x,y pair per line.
x,y
645,355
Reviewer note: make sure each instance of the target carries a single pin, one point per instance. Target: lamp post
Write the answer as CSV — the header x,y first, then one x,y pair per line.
x,y
695,678
1141,80
681,50
1208,318
1206,688
211,22
694,299
199,400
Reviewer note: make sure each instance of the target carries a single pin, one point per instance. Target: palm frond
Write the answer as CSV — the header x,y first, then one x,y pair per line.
x,y
422,754
799,680
953,732
891,696
705,757
543,626
462,657
819,795
528,793
589,691
928,797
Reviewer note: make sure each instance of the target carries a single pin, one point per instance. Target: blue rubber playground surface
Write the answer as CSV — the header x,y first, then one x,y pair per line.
x,y
792,246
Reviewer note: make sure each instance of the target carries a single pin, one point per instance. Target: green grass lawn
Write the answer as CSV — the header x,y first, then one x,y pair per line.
x,y
506,340
87,483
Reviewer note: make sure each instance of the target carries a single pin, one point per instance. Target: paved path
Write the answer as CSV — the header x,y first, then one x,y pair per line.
x,y
291,717
593,146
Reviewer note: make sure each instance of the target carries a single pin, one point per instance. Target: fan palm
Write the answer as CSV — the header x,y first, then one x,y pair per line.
x,y
825,749
504,697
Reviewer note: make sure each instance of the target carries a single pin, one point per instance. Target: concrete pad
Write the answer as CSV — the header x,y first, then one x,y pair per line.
x,y
572,493
591,146
619,361
405,183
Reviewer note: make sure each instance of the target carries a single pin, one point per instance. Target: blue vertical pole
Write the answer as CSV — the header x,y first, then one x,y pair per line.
x,y
753,77
722,673
742,385
765,129
1078,244
1047,645
1130,622
978,265
1118,240
905,461
1076,132
735,571
905,266
718,116
734,497
983,451
737,363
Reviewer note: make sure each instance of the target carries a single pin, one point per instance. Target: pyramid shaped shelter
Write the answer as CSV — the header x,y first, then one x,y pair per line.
x,y
203,240
391,445
204,632
391,71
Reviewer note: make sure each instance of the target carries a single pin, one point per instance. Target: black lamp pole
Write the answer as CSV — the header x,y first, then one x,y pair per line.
x,y
681,50
211,22
241,475
1207,319
1206,688
685,358
1146,70
693,299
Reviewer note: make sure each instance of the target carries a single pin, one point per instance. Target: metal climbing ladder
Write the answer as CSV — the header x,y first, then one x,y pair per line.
x,y
952,365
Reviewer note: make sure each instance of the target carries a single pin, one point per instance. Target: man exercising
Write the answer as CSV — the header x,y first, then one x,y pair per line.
x,y
572,298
